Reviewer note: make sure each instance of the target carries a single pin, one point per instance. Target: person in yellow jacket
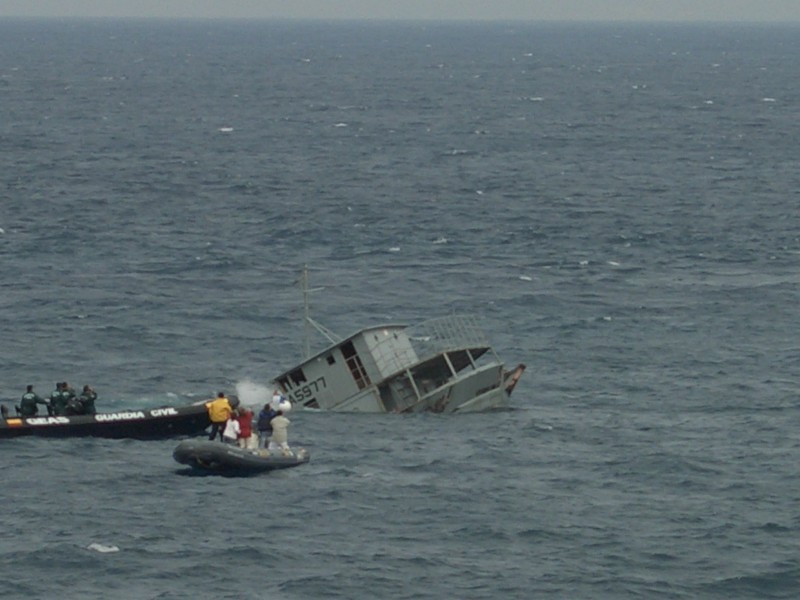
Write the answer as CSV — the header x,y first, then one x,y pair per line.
x,y
219,411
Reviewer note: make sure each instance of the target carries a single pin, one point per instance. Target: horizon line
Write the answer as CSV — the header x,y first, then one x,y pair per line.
x,y
416,20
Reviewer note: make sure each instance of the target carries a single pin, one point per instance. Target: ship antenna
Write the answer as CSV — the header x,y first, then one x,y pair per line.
x,y
308,322
306,317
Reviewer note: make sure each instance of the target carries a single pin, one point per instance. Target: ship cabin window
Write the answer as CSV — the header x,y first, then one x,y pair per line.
x,y
355,365
330,359
298,377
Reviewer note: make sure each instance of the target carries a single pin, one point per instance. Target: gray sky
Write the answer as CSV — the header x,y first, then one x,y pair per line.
x,y
588,10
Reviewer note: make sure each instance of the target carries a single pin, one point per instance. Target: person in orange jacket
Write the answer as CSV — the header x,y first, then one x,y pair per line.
x,y
219,411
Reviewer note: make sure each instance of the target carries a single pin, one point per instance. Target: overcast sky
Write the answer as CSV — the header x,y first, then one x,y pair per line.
x,y
586,10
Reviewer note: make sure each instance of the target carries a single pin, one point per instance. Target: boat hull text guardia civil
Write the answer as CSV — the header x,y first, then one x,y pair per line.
x,y
146,424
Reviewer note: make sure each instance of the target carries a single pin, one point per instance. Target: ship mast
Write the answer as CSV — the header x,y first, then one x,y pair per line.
x,y
308,322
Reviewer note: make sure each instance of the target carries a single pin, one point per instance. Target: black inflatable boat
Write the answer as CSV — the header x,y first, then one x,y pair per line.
x,y
152,424
226,459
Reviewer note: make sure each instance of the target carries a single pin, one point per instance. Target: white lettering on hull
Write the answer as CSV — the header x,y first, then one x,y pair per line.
x,y
123,416
163,412
107,417
47,421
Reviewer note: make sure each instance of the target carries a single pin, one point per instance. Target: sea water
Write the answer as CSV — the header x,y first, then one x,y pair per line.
x,y
616,203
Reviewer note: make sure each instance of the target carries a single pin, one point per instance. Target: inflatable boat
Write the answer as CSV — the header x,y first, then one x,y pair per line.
x,y
226,459
152,424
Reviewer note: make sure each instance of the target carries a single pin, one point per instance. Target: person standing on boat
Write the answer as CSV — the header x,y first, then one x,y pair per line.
x,y
58,402
246,439
67,394
280,436
219,411
277,400
230,435
28,405
87,398
264,424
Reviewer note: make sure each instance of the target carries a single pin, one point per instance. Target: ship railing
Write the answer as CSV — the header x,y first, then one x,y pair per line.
x,y
428,339
446,333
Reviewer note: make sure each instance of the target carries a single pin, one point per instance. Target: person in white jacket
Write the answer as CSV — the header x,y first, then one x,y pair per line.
x,y
280,437
232,430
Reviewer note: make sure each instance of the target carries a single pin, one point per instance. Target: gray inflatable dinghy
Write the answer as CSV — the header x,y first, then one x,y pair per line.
x,y
217,457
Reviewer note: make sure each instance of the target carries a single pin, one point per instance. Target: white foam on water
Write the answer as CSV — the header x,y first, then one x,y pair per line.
x,y
102,548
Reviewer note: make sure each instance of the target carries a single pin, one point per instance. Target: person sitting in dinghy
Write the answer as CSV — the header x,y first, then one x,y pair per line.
x,y
28,404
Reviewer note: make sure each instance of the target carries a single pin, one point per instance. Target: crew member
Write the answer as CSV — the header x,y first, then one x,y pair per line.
x,y
219,411
28,405
67,392
58,403
87,398
73,404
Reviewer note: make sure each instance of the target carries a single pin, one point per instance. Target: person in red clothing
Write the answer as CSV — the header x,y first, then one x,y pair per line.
x,y
246,438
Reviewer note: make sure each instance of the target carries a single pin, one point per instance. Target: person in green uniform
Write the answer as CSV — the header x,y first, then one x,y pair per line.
x,y
74,404
58,402
28,405
70,400
87,398
67,392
